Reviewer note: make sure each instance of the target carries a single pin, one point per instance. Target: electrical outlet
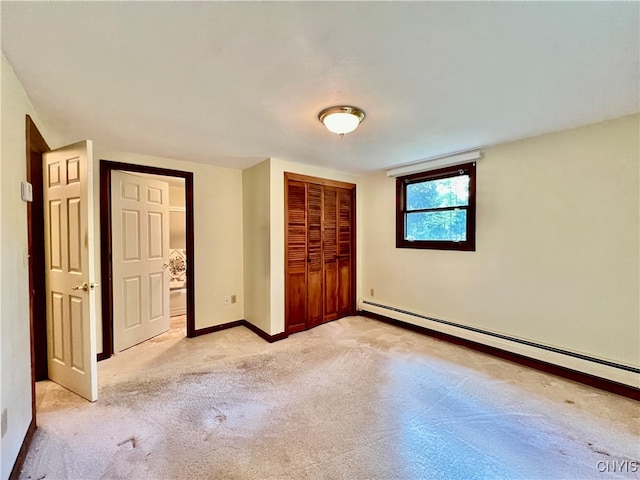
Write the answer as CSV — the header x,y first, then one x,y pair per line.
x,y
233,299
227,300
372,292
4,422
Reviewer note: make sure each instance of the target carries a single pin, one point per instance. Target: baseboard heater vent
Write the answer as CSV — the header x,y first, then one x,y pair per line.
x,y
507,337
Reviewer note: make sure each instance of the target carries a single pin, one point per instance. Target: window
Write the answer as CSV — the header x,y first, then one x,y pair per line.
x,y
437,209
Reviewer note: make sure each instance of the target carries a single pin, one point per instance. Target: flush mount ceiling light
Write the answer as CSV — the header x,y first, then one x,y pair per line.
x,y
341,119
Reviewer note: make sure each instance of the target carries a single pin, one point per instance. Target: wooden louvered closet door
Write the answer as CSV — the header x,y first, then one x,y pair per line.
x,y
330,253
314,255
319,251
346,263
296,256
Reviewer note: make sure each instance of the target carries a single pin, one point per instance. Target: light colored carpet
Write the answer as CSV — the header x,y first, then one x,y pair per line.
x,y
350,399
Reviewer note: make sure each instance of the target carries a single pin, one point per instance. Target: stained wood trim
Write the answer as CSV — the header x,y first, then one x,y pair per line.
x,y
106,166
217,328
35,147
318,181
190,244
24,449
34,137
242,323
574,375
105,262
261,333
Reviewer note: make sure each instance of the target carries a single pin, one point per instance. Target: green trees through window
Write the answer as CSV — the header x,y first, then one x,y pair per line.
x,y
437,209
425,220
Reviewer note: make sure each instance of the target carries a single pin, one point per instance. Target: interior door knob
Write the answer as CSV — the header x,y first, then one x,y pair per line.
x,y
84,287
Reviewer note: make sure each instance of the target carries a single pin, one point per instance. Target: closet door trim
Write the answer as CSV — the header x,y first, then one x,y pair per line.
x,y
318,181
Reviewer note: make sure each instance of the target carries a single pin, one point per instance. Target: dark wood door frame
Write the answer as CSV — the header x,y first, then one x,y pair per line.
x,y
36,146
106,167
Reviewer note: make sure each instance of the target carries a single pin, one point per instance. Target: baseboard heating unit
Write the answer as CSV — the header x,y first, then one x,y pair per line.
x,y
602,373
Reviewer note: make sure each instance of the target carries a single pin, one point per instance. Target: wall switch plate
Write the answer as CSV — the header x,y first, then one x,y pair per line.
x,y
227,300
4,422
372,292
26,191
233,299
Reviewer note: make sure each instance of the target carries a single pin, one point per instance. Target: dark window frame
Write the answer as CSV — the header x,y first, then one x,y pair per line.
x,y
469,244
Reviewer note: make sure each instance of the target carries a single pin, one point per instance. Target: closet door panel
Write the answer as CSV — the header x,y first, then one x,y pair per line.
x,y
314,252
297,304
344,288
331,290
330,252
345,237
296,257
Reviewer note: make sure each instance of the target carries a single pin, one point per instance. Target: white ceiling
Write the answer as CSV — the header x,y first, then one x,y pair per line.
x,y
232,83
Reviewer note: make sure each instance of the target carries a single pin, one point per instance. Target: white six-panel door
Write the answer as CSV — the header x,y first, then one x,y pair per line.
x,y
140,256
69,270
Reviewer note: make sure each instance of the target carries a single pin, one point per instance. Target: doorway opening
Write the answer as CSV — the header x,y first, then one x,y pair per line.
x,y
183,276
149,257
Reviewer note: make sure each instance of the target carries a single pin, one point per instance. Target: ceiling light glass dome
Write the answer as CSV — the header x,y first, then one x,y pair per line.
x,y
341,119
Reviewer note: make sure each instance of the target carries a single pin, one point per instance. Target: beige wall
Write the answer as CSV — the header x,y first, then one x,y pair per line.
x,y
257,246
177,196
177,217
15,367
557,259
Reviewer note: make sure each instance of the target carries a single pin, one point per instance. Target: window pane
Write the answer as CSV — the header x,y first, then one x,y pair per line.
x,y
446,192
450,225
